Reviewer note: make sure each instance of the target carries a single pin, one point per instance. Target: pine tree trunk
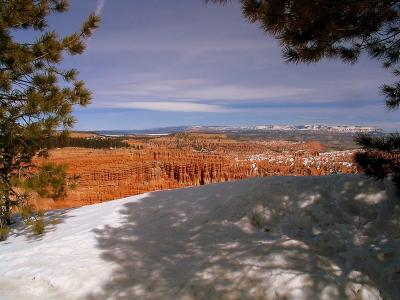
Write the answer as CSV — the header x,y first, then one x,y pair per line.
x,y
6,210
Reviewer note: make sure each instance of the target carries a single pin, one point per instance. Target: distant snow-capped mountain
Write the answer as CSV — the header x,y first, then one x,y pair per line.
x,y
260,128
332,128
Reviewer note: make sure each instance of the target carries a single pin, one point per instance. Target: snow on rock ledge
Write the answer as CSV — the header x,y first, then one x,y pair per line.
x,y
334,237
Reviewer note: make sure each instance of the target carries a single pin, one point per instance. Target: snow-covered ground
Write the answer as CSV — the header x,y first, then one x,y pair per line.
x,y
335,237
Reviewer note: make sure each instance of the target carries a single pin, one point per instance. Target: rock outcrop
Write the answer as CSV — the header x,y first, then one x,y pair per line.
x,y
167,163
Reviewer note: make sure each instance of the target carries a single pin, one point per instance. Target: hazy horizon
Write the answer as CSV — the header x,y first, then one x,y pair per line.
x,y
218,125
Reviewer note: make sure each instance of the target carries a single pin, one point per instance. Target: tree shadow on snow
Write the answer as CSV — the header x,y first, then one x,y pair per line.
x,y
316,238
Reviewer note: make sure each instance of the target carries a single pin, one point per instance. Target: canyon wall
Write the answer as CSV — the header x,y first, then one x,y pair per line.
x,y
167,163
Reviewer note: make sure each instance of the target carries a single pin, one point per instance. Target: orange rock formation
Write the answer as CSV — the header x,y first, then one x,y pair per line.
x,y
166,163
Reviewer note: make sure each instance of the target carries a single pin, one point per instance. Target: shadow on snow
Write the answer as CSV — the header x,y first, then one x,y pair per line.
x,y
319,237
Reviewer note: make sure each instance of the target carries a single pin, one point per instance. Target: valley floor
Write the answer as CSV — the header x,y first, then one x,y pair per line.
x,y
333,237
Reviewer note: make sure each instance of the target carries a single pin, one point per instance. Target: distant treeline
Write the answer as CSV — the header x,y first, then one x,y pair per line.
x,y
93,143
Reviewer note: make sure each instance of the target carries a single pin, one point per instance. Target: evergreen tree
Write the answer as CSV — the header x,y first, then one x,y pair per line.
x,y
310,30
36,96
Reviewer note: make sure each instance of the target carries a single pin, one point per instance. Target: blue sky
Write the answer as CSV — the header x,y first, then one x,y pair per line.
x,y
158,63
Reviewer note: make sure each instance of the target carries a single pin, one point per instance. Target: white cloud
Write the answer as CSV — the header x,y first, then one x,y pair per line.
x,y
162,44
202,90
100,6
231,92
170,106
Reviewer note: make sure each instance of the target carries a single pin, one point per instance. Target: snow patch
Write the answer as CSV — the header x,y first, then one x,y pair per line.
x,y
334,237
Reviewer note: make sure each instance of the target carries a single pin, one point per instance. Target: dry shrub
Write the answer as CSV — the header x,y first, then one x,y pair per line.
x,y
4,231
38,226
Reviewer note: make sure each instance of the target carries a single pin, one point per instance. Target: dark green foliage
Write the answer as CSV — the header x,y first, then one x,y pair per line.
x,y
36,94
310,30
49,182
93,143
380,157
